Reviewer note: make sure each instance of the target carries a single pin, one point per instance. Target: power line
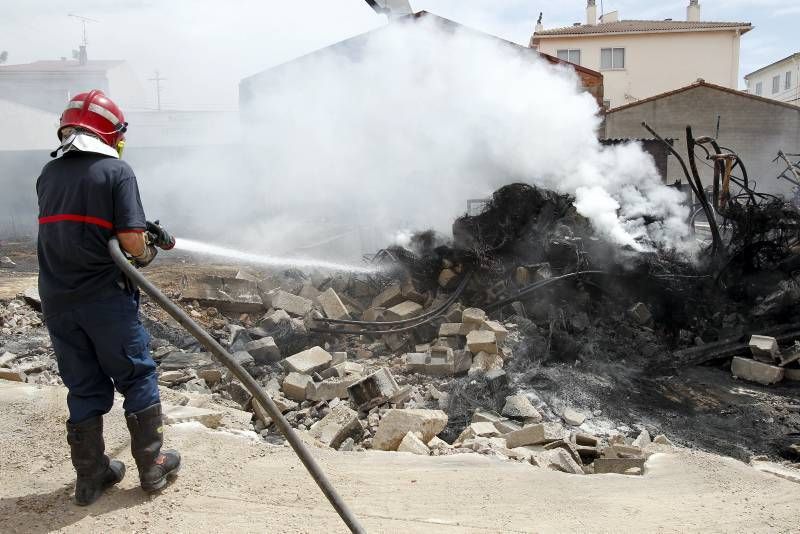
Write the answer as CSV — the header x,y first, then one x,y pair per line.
x,y
158,79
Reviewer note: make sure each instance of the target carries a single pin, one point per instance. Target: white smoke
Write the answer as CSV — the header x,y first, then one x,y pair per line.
x,y
400,132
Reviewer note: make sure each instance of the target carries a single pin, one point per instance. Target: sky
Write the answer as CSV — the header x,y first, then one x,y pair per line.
x,y
203,47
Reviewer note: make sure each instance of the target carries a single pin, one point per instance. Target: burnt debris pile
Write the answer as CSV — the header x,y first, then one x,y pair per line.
x,y
526,336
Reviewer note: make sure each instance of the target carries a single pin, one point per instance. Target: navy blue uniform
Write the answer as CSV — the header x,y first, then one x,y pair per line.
x,y
100,344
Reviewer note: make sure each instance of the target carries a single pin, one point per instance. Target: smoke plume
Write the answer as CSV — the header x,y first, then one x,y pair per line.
x,y
344,149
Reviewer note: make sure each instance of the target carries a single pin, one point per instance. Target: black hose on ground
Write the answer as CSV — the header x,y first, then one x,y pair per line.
x,y
247,381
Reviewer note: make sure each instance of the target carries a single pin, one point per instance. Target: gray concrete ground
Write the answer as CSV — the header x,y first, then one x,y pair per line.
x,y
233,483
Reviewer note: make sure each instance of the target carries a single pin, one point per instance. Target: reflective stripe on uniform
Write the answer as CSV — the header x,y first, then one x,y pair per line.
x,y
76,218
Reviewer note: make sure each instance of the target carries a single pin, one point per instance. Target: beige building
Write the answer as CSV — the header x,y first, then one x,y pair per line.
x,y
643,58
779,80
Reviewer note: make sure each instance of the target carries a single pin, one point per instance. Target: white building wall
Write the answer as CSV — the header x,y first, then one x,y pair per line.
x,y
790,94
656,62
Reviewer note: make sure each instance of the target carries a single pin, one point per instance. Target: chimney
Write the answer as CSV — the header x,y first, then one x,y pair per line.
x,y
591,12
83,59
539,25
693,11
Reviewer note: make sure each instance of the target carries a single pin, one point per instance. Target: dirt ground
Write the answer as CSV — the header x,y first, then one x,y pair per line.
x,y
236,483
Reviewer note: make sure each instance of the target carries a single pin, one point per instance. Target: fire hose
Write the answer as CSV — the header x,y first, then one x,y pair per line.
x,y
247,381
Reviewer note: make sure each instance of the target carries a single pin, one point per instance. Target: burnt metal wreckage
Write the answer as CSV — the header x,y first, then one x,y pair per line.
x,y
574,299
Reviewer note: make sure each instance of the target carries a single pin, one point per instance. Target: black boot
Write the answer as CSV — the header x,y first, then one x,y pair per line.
x,y
155,465
95,471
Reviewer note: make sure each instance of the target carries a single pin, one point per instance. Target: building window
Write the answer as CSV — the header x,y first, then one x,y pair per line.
x,y
788,83
612,58
759,88
776,84
573,56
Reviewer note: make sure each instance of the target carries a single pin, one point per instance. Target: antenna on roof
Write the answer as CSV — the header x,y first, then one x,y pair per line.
x,y
83,20
158,79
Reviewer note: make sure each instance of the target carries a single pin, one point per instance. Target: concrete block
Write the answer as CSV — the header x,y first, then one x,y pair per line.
x,y
486,416
573,417
373,390
309,361
178,360
184,414
500,331
395,424
585,439
340,424
332,388
404,310
661,439
391,296
7,358
519,407
410,292
557,460
308,291
620,466
537,434
332,305
438,363
450,329
225,294
291,304
765,349
294,386
642,440
483,362
263,350
566,445
506,426
473,315
12,376
792,375
496,380
411,443
462,361
756,371
482,341
474,430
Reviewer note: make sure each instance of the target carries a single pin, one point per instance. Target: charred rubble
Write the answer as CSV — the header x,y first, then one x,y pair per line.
x,y
525,336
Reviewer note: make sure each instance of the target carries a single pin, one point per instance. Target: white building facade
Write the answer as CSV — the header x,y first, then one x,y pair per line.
x,y
779,80
643,58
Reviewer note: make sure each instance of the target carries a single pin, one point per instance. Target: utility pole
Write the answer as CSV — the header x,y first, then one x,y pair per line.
x,y
158,79
83,20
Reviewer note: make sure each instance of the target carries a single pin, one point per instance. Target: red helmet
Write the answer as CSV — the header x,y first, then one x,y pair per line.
x,y
97,113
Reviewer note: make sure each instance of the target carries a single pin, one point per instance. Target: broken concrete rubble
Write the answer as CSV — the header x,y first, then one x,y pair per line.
x,y
536,434
573,417
620,466
396,423
405,310
764,348
756,371
225,294
413,444
263,350
373,390
332,305
482,341
291,304
294,386
340,424
520,407
185,414
309,361
332,388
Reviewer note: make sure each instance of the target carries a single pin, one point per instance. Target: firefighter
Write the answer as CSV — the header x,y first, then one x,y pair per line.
x,y
86,196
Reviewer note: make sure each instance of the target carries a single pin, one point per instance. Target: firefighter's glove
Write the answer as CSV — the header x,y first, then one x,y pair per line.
x,y
146,257
159,237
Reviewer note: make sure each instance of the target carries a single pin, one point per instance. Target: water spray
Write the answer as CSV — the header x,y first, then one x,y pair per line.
x,y
207,249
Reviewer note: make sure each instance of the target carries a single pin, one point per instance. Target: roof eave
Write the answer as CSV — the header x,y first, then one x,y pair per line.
x,y
742,30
